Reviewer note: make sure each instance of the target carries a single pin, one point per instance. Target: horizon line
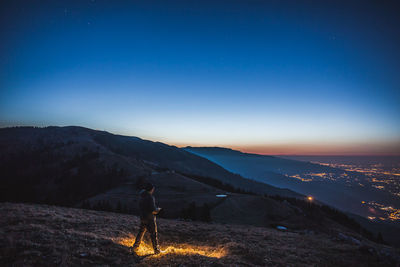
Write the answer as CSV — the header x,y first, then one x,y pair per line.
x,y
238,148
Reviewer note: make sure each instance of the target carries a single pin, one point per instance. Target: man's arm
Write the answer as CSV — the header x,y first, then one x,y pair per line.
x,y
155,209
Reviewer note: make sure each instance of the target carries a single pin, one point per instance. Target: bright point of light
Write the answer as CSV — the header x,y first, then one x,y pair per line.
x,y
310,198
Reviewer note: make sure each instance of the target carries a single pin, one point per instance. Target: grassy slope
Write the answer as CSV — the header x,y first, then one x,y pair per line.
x,y
48,235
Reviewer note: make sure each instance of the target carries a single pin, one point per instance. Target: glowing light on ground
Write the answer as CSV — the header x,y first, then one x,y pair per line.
x,y
183,249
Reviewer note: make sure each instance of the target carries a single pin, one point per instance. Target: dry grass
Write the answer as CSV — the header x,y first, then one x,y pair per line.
x,y
46,236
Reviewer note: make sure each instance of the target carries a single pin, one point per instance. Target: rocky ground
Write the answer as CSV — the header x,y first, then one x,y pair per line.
x,y
40,235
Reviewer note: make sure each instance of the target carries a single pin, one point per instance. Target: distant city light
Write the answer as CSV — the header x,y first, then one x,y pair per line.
x,y
310,198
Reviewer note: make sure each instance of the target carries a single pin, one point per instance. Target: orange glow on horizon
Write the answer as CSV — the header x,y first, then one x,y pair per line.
x,y
318,149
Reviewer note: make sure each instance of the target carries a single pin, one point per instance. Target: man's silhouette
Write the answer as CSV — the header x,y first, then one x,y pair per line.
x,y
148,210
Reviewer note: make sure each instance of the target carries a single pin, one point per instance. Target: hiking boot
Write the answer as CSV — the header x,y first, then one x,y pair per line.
x,y
159,251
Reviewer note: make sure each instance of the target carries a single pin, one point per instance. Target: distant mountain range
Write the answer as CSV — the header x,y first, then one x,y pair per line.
x,y
345,194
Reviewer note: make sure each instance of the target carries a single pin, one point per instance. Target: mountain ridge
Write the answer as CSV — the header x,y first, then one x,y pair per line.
x,y
147,152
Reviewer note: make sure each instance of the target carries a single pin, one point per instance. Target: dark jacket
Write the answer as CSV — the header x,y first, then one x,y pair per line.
x,y
147,205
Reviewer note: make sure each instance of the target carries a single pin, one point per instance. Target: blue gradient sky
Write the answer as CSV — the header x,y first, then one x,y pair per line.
x,y
261,76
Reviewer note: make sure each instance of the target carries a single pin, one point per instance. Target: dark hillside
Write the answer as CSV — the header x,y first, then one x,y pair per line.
x,y
43,235
65,165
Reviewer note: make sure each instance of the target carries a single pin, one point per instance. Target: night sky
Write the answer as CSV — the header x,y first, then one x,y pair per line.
x,y
272,77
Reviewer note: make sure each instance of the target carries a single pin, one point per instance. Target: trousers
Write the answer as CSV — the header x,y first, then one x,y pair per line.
x,y
149,225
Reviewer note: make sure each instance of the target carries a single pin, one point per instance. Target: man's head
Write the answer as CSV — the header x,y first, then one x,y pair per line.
x,y
149,187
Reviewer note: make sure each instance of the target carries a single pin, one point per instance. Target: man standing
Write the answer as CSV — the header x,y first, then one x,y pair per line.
x,y
148,210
